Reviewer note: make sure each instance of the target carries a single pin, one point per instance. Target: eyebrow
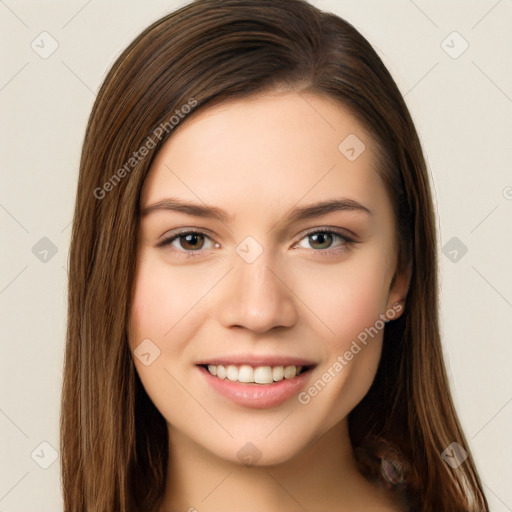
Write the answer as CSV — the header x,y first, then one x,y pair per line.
x,y
302,213
193,209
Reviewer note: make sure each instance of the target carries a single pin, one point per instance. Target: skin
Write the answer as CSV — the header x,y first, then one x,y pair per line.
x,y
258,159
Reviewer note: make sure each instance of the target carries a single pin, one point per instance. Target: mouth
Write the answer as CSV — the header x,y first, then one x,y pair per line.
x,y
256,374
257,386
256,381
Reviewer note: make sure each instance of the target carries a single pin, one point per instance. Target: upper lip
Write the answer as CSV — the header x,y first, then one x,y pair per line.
x,y
255,361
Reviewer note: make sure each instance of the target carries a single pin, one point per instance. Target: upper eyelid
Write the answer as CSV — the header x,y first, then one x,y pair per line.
x,y
185,231
346,238
329,229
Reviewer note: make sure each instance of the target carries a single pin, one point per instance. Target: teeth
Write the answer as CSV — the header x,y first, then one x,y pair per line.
x,y
289,372
221,372
277,373
245,374
258,375
263,375
232,373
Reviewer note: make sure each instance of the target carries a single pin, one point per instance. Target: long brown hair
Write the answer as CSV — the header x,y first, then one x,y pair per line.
x,y
114,444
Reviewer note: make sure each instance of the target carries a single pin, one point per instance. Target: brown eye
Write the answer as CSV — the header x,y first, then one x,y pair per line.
x,y
188,242
191,241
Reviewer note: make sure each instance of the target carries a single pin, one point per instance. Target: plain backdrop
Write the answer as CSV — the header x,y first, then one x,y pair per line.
x,y
453,62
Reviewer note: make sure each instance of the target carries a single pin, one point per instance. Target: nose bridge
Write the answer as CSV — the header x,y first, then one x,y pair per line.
x,y
255,296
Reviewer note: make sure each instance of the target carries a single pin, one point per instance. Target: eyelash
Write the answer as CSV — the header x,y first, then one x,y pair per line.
x,y
347,241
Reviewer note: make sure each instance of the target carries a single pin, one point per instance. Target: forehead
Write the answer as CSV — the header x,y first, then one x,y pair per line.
x,y
267,151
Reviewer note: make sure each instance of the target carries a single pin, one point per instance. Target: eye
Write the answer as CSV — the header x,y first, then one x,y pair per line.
x,y
192,243
324,240
189,242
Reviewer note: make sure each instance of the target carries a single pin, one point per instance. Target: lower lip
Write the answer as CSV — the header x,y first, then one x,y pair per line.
x,y
257,396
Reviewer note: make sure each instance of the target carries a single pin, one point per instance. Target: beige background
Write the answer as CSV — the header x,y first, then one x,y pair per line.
x,y
462,108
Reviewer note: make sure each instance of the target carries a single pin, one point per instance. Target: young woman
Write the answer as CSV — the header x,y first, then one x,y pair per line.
x,y
253,314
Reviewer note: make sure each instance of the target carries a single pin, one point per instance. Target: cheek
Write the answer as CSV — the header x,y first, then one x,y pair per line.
x,y
165,309
348,297
163,297
349,300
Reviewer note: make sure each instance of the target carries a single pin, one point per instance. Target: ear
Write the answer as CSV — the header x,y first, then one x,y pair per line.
x,y
398,290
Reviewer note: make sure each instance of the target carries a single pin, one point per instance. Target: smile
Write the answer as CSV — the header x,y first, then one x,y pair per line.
x,y
255,375
257,387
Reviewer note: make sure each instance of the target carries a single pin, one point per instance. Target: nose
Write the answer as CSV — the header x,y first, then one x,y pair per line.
x,y
257,297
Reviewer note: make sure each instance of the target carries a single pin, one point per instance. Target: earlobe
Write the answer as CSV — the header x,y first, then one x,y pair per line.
x,y
396,310
398,290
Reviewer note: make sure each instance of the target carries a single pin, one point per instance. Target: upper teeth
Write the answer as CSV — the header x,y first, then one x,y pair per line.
x,y
259,375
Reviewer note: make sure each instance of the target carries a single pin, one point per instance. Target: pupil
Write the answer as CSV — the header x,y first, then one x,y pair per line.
x,y
324,239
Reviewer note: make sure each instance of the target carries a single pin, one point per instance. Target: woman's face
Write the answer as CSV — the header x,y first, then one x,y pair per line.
x,y
290,263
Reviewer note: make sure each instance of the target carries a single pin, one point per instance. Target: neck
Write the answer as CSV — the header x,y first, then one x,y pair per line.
x,y
323,476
